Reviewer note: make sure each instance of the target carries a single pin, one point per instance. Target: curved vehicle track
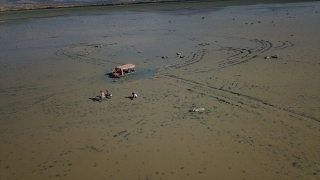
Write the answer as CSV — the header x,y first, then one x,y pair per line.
x,y
80,52
242,55
237,56
251,104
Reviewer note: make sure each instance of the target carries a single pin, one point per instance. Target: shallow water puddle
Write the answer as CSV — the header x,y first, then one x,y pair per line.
x,y
140,74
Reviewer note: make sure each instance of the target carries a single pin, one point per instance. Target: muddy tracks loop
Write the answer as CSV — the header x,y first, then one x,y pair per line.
x,y
242,55
194,59
236,55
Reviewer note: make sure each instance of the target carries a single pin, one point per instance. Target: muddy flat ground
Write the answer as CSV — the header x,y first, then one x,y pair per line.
x,y
261,118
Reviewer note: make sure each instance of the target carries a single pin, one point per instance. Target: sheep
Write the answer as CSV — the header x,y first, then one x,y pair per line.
x,y
179,55
198,109
269,57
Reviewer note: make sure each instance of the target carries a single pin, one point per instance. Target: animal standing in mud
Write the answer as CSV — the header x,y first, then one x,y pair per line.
x,y
197,109
269,57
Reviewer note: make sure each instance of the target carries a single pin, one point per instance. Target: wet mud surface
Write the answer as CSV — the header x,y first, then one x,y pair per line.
x,y
261,117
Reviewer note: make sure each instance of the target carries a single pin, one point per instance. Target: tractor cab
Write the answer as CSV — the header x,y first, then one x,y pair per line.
x,y
123,70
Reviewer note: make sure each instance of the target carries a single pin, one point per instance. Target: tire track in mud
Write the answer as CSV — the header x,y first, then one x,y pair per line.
x,y
24,104
136,128
238,55
262,46
194,59
243,55
85,49
253,104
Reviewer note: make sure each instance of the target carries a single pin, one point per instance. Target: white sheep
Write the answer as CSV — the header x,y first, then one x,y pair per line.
x,y
198,109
